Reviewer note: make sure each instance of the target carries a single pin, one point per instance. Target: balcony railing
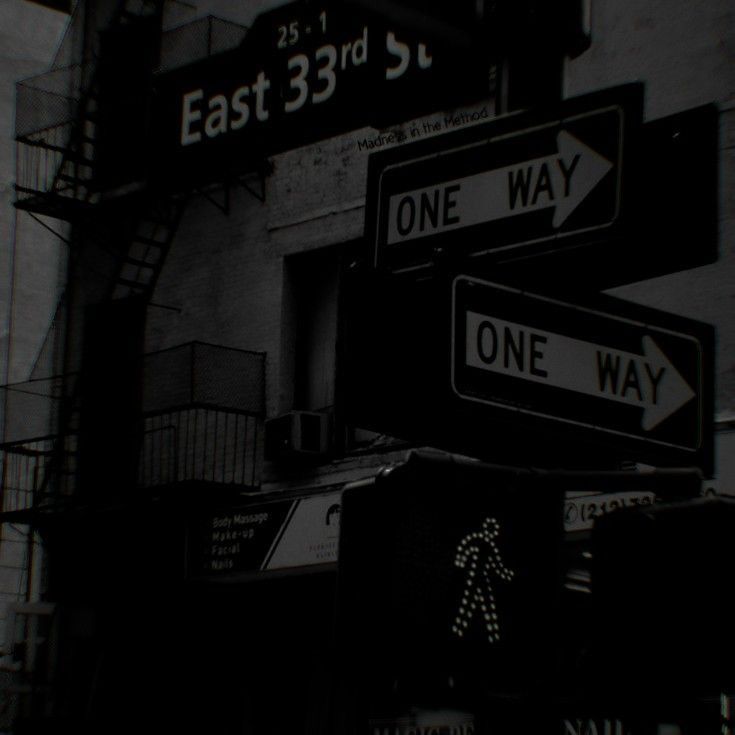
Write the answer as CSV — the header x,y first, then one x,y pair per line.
x,y
45,118
203,407
201,420
31,441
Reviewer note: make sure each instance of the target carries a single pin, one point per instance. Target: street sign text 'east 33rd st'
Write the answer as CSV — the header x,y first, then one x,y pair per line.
x,y
304,72
611,373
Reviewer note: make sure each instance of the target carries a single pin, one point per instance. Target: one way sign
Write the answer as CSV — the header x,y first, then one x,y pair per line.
x,y
614,374
508,185
558,182
646,378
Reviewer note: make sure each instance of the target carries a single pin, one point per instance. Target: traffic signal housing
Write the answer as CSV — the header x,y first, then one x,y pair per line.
x,y
663,613
448,578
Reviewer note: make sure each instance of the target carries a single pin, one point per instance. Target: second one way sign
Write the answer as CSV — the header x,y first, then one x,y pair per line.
x,y
612,373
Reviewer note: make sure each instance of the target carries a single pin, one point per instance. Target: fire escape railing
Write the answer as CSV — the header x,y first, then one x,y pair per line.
x,y
30,442
47,109
56,116
201,420
60,173
56,113
203,410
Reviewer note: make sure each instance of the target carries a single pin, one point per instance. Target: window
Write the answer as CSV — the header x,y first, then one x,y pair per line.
x,y
311,292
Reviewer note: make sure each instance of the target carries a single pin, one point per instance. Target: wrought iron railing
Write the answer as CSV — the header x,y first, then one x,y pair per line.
x,y
55,150
54,131
200,444
46,114
202,420
31,443
203,407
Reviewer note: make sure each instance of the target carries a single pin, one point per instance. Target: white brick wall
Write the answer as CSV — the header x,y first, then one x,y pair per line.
x,y
13,571
29,36
684,55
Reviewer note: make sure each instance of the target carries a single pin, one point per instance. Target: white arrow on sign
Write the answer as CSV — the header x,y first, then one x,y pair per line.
x,y
648,380
561,180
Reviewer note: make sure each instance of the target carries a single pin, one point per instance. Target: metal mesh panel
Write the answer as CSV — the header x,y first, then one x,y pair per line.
x,y
9,699
201,374
185,376
50,355
176,13
167,379
230,379
31,409
36,458
203,406
80,39
24,468
49,99
69,51
225,35
198,40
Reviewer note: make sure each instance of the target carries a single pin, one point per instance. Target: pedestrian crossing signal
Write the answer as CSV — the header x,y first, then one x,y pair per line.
x,y
449,570
478,554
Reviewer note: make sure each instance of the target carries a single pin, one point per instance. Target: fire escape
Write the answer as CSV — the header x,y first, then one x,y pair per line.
x,y
82,159
100,424
83,163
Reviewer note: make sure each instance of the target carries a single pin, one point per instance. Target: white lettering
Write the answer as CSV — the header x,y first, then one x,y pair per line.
x,y
298,82
325,73
240,107
425,58
216,122
399,50
360,49
190,115
345,54
260,87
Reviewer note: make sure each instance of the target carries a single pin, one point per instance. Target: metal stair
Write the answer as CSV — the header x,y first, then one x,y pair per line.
x,y
141,264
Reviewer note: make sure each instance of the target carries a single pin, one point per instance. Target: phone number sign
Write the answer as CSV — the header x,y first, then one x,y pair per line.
x,y
303,74
580,512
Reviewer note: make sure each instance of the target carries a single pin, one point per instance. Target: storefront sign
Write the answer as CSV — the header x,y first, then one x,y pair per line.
x,y
280,535
589,726
427,722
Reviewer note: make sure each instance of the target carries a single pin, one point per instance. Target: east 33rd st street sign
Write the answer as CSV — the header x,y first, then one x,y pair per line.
x,y
302,73
613,374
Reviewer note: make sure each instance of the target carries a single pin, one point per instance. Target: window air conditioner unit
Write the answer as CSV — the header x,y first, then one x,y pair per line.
x,y
297,434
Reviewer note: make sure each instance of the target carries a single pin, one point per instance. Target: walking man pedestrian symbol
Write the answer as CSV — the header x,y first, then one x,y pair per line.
x,y
479,555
